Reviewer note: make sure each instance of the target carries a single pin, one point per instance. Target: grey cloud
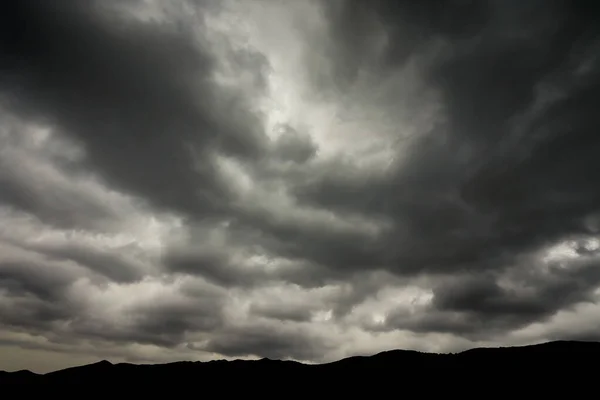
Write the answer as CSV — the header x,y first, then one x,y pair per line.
x,y
476,188
544,293
23,273
33,304
138,96
270,342
32,290
193,314
333,249
21,277
337,299
229,263
214,266
590,336
123,263
293,145
56,195
39,295
485,111
280,312
220,268
111,264
484,304
62,320
32,315
162,325
570,326
405,28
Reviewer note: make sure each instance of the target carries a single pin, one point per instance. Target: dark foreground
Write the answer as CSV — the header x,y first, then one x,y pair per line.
x,y
547,364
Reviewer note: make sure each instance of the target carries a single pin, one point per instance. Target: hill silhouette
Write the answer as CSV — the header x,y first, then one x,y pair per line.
x,y
563,360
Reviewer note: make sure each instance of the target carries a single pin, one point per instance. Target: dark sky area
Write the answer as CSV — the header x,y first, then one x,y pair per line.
x,y
307,180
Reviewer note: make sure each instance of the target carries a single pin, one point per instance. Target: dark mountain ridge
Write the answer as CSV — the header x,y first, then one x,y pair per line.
x,y
564,359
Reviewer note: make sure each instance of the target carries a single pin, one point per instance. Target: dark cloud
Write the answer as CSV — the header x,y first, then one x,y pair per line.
x,y
273,179
283,313
45,302
111,264
138,96
507,171
222,269
32,315
33,292
483,185
214,266
162,324
267,342
293,145
50,187
480,305
338,250
230,263
43,280
123,263
384,34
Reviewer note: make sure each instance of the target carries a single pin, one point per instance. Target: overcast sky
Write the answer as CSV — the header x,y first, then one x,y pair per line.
x,y
309,180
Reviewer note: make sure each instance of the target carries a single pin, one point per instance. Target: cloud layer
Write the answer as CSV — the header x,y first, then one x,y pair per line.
x,y
304,180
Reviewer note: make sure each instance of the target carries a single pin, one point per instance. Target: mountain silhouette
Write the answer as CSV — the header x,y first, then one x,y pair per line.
x,y
547,362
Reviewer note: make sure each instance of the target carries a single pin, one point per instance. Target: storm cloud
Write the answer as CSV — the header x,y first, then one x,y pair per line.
x,y
297,180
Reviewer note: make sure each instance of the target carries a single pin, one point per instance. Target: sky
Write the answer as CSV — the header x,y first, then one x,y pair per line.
x,y
305,180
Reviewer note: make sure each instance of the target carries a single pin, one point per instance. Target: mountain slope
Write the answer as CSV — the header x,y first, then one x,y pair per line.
x,y
562,359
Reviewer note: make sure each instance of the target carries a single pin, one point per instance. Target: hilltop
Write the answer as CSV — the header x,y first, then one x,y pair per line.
x,y
565,359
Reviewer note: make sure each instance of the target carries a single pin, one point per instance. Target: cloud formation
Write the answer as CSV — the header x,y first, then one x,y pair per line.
x,y
304,180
